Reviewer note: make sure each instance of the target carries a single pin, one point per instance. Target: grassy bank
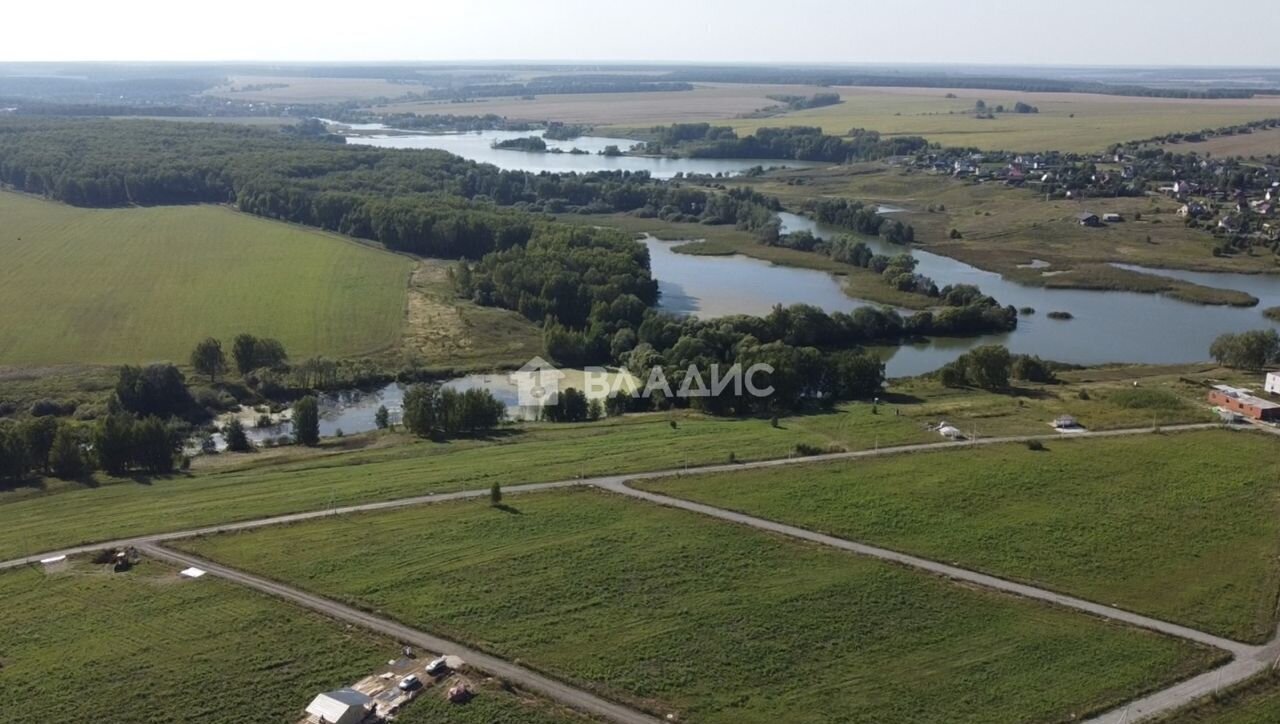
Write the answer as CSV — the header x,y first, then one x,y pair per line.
x,y
105,286
1182,527
358,469
710,621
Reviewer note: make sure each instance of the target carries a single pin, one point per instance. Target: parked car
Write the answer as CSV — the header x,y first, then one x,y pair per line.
x,y
409,683
437,666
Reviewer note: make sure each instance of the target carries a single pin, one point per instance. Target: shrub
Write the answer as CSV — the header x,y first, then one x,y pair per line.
x,y
1035,446
48,408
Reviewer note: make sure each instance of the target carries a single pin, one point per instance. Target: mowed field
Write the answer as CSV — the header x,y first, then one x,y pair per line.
x,y
709,621
1184,527
86,644
1066,121
1079,122
105,286
1257,143
707,101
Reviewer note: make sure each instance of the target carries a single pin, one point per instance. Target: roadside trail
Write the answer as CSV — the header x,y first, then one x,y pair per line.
x,y
602,481
532,681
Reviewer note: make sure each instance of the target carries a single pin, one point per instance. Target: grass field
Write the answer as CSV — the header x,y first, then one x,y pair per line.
x,y
446,332
709,621
1183,526
86,644
94,286
1255,702
147,646
235,487
706,101
1078,122
1248,145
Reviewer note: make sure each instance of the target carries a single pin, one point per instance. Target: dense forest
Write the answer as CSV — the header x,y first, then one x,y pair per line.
x,y
427,202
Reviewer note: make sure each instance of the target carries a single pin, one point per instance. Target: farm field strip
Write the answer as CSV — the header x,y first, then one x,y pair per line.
x,y
608,560
599,481
1138,524
942,569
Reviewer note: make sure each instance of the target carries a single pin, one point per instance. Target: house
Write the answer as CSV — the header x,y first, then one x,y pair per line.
x,y
1087,219
1273,383
1112,218
343,706
1228,223
1191,210
1244,402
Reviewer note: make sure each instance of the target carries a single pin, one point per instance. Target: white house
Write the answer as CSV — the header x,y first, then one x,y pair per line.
x,y
1273,383
344,706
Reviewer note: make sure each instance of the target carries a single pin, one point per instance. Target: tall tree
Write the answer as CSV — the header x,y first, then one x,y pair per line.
x,y
66,456
306,421
237,439
208,359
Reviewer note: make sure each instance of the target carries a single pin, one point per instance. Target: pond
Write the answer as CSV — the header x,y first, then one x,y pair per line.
x,y
478,146
350,412
1107,326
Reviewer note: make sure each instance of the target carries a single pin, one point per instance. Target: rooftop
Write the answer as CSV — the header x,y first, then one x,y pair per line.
x,y
1246,396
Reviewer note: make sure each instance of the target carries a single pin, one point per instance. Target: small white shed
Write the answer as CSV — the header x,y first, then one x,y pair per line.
x,y
1273,383
344,706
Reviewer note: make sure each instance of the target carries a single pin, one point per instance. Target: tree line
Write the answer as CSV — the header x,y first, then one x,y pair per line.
x,y
799,143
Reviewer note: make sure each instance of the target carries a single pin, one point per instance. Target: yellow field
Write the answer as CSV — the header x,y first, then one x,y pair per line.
x,y
106,286
707,101
310,90
1066,121
1258,143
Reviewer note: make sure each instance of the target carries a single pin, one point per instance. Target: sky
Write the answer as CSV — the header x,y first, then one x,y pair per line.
x,y
1022,32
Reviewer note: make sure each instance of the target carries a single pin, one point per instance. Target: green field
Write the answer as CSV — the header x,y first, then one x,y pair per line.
x,y
86,644
709,621
95,286
147,646
222,488
1078,122
1183,526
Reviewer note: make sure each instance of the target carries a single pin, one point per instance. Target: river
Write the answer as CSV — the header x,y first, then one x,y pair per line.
x,y
478,146
1107,326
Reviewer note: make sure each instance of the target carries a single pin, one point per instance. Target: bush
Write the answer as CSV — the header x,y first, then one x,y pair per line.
x,y
1143,398
49,408
1035,446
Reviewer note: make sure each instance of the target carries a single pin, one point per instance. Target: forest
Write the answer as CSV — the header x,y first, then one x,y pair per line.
x,y
799,143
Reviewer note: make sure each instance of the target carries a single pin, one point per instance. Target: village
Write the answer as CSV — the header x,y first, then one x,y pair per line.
x,y
1237,201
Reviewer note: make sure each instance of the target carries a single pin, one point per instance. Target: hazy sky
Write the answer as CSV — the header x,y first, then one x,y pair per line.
x,y
1078,32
